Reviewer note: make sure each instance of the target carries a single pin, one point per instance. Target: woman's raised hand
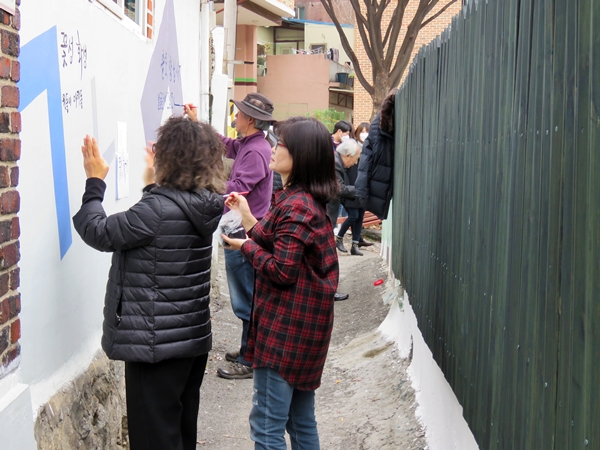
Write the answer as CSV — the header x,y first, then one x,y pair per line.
x,y
191,111
94,164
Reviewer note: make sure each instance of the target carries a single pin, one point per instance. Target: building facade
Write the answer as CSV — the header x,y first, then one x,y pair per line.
x,y
314,10
250,16
113,70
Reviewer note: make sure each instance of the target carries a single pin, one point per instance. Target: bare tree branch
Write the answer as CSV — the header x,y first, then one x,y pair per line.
x,y
380,45
409,41
363,30
395,31
436,15
386,3
391,25
373,44
357,12
347,47
369,29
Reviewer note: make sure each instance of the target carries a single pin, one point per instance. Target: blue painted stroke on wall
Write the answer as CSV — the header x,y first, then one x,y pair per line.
x,y
39,73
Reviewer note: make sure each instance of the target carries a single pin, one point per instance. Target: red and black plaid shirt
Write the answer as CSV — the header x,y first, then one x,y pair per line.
x,y
293,252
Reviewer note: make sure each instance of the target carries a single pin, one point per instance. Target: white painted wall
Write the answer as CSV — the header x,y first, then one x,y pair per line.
x,y
319,34
62,299
438,408
265,36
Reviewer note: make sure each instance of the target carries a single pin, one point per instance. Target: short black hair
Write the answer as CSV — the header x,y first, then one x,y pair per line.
x,y
342,125
309,144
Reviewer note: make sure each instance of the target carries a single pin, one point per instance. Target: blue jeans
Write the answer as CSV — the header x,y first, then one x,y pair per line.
x,y
240,279
277,407
354,220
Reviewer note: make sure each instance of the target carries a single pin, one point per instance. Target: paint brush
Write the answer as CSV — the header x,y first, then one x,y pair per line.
x,y
189,104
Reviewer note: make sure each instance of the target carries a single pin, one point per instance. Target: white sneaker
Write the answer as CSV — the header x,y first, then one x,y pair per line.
x,y
335,230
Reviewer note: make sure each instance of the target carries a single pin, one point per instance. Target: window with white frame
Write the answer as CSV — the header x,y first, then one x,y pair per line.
x,y
132,10
129,9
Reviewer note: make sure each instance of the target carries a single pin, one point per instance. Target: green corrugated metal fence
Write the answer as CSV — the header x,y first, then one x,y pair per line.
x,y
496,217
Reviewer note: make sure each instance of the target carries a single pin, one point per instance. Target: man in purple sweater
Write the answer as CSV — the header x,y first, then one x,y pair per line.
x,y
250,173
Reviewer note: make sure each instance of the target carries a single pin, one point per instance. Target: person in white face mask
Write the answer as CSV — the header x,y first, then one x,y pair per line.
x,y
341,132
361,133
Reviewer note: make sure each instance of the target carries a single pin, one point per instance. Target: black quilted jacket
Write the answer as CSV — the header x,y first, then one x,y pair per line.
x,y
346,191
375,181
157,296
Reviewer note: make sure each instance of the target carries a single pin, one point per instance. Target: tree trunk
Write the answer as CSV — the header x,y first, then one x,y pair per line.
x,y
381,85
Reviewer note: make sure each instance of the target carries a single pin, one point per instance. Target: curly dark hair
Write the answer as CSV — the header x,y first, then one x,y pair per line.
x,y
189,155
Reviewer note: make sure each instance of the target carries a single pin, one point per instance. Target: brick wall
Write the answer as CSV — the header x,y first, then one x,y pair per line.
x,y
10,150
363,104
150,19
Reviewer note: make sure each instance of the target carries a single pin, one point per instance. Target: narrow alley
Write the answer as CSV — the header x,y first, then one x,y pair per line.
x,y
365,400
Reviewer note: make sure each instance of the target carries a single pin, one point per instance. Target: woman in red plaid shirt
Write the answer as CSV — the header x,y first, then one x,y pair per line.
x,y
293,252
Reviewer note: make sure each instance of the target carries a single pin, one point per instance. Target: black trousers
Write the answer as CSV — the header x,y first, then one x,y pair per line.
x,y
162,403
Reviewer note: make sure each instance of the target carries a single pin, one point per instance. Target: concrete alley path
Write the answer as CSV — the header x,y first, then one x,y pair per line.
x,y
365,400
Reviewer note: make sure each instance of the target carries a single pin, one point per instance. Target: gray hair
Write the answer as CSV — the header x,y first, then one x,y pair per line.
x,y
348,148
262,125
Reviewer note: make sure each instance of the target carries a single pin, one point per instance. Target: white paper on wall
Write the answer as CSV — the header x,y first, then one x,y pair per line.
x,y
121,137
122,161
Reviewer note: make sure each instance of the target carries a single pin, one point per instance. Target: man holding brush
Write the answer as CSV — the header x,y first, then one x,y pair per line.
x,y
250,173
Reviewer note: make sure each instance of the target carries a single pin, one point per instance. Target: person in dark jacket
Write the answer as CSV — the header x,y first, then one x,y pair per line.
x,y
375,180
356,212
346,155
341,132
156,312
356,215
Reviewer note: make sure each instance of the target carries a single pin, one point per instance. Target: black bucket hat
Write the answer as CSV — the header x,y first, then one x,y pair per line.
x,y
256,106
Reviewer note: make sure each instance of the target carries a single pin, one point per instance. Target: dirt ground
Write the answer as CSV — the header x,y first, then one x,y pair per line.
x,y
365,400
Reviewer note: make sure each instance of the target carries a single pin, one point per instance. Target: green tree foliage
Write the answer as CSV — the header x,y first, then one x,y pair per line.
x,y
328,117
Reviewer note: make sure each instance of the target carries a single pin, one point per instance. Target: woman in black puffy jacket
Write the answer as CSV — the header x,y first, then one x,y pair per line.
x,y
156,312
375,179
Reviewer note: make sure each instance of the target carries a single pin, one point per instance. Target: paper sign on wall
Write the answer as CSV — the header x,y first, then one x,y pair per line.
x,y
122,161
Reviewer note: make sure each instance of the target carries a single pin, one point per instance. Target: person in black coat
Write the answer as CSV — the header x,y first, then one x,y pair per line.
x,y
156,312
356,212
375,180
346,155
